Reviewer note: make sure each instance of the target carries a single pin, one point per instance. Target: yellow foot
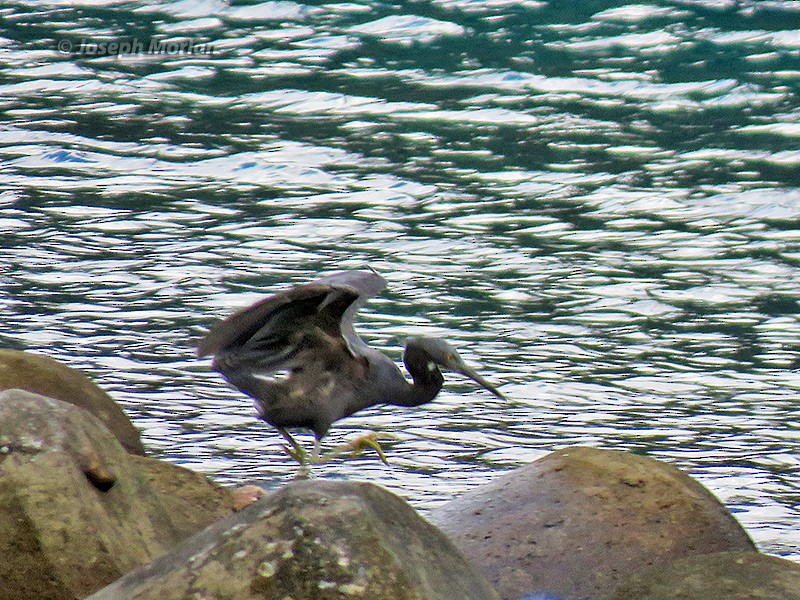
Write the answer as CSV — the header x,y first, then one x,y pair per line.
x,y
303,473
360,444
299,455
357,446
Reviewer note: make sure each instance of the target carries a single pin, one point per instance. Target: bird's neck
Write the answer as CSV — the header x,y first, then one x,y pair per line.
x,y
426,385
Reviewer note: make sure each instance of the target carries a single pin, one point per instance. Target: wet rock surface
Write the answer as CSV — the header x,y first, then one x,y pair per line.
x,y
76,512
320,540
48,377
720,576
577,521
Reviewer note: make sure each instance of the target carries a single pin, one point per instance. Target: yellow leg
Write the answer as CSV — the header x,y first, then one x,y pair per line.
x,y
297,452
315,453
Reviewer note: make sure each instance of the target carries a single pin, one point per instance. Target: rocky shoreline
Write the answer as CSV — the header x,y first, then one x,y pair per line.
x,y
86,515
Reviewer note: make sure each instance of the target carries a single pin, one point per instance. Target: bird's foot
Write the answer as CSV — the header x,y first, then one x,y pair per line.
x,y
369,440
297,453
357,447
304,473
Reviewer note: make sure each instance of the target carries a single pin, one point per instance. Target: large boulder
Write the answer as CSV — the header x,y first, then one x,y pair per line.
x,y
48,377
191,500
320,540
721,576
573,523
75,511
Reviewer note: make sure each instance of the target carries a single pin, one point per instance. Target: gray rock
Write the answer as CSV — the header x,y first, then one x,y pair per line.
x,y
48,377
575,522
721,576
75,512
320,540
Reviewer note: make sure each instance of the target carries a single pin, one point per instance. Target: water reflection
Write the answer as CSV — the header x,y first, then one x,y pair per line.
x,y
597,204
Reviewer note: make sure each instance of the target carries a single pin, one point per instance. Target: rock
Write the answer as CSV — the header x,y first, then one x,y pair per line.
x,y
75,511
320,540
48,377
573,523
721,576
192,501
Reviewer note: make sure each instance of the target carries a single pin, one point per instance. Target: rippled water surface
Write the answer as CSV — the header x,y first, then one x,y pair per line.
x,y
599,203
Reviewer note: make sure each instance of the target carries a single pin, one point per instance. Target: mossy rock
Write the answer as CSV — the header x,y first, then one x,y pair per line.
x,y
75,512
50,378
192,500
312,540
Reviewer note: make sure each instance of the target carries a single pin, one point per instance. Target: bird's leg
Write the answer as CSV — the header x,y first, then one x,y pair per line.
x,y
315,453
297,452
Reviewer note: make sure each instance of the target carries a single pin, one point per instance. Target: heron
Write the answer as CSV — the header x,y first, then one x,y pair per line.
x,y
297,355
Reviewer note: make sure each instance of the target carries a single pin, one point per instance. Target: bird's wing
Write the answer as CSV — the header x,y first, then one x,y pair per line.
x,y
296,352
268,334
368,284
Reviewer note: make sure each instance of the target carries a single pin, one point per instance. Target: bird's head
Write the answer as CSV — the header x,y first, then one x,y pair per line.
x,y
433,353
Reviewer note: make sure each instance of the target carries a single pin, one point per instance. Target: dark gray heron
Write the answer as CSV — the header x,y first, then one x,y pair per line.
x,y
296,353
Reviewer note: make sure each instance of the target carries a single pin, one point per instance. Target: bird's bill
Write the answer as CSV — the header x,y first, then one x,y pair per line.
x,y
468,371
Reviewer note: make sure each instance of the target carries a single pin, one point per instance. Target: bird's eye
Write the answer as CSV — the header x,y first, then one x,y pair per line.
x,y
451,356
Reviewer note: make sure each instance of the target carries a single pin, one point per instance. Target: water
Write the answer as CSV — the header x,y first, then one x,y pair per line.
x,y
597,202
